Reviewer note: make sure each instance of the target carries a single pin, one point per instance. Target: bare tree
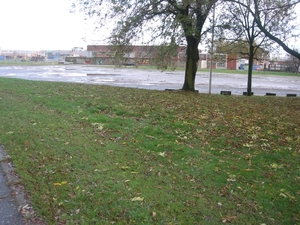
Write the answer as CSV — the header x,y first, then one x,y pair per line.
x,y
244,36
252,22
293,63
283,13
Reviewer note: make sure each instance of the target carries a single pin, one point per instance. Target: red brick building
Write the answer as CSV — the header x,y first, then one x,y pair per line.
x,y
145,55
139,54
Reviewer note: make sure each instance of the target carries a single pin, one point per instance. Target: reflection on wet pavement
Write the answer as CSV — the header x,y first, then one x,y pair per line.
x,y
154,79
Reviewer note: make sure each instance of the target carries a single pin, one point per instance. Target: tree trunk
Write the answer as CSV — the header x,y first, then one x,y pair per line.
x,y
251,57
192,58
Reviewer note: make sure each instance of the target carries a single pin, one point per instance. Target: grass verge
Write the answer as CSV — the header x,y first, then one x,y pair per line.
x,y
90,154
18,63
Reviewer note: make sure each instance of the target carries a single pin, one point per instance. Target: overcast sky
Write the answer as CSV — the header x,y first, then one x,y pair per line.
x,y
40,25
44,25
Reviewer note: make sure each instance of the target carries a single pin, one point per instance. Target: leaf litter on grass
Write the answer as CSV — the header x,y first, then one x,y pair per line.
x,y
130,156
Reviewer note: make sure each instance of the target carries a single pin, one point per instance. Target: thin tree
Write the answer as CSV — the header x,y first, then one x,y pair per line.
x,y
293,63
264,9
244,33
163,19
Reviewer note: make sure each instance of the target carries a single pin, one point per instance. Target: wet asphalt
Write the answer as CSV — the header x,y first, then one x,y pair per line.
x,y
155,79
10,213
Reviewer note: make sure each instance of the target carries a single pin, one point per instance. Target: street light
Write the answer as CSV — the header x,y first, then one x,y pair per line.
x,y
212,50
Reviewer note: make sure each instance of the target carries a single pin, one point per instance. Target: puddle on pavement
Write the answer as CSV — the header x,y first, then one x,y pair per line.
x,y
104,80
72,74
100,74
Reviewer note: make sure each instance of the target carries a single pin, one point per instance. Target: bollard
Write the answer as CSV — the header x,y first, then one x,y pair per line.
x,y
225,92
245,93
270,94
291,95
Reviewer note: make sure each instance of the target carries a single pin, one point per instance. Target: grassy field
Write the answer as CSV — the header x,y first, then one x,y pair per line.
x,y
18,63
90,154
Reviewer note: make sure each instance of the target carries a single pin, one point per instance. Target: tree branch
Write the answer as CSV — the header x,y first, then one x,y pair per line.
x,y
269,35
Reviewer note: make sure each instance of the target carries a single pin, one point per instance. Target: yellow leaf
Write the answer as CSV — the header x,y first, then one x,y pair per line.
x,y
59,184
274,165
248,145
137,199
290,196
162,154
283,195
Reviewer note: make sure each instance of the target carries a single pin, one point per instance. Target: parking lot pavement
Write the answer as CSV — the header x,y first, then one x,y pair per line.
x,y
154,79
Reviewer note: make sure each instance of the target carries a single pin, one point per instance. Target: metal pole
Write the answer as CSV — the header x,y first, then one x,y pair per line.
x,y
212,50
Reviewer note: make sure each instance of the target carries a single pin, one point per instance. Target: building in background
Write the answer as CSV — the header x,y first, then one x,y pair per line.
x,y
43,55
145,55
136,55
142,55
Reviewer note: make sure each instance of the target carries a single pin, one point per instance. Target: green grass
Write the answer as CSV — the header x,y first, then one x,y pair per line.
x,y
278,73
90,154
18,63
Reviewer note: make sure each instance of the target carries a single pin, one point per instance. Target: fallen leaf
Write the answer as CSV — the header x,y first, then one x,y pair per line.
x,y
137,199
162,154
61,183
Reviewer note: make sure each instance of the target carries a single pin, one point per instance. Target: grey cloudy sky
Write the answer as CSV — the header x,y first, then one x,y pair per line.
x,y
40,25
47,25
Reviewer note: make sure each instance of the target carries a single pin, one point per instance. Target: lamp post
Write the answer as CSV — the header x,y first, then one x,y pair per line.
x,y
212,50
